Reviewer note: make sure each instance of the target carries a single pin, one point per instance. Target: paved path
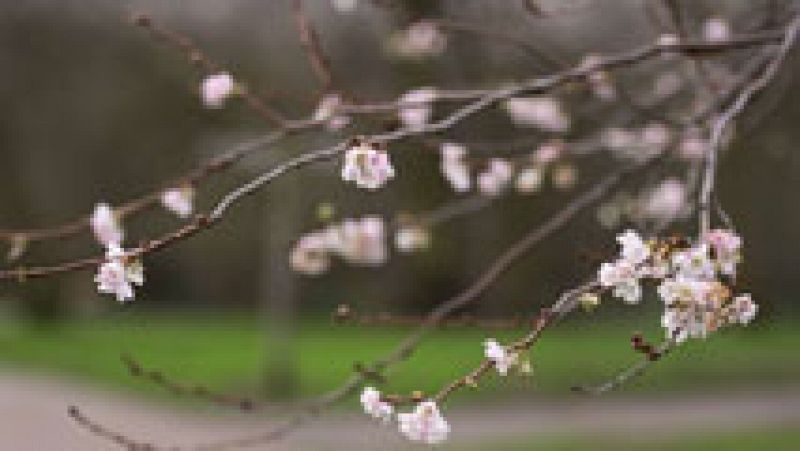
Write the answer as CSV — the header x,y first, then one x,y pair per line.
x,y
33,418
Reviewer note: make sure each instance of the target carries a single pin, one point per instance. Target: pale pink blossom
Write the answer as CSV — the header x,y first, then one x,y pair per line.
x,y
118,274
425,424
416,111
374,406
421,39
105,225
310,254
542,112
666,201
496,177
216,88
529,180
367,166
327,112
178,200
716,29
503,358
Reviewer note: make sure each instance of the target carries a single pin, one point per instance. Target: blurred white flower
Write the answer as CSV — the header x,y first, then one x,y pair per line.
x,y
367,166
327,112
529,180
666,201
360,241
310,254
374,406
418,111
496,177
548,152
716,29
454,169
105,225
344,6
118,273
420,40
543,112
502,358
411,238
215,89
425,424
178,200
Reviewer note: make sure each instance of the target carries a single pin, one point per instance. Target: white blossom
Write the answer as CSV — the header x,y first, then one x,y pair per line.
x,y
745,308
454,169
327,112
367,166
634,249
496,177
502,358
425,424
716,29
360,241
216,88
344,6
178,200
411,238
374,406
417,111
529,180
118,273
726,246
310,254
421,39
105,225
543,112
666,201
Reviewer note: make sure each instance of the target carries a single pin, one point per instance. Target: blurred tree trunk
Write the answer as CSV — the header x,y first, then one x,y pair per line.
x,y
278,291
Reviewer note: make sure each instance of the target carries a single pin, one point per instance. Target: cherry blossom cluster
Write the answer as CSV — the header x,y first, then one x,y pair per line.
x,y
525,175
361,242
120,271
694,281
357,241
424,424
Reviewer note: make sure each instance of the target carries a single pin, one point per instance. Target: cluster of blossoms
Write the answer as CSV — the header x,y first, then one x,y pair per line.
x,y
694,281
527,175
358,241
367,165
667,200
119,272
424,424
637,144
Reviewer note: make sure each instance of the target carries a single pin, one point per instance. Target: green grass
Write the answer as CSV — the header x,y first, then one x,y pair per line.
x,y
229,353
